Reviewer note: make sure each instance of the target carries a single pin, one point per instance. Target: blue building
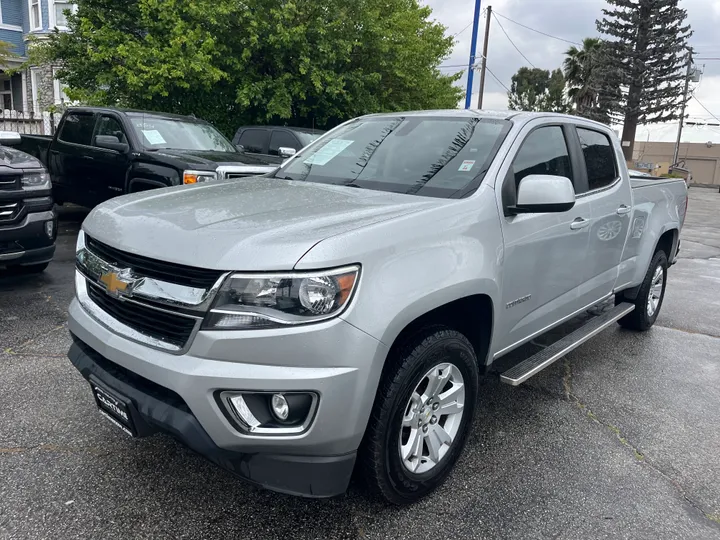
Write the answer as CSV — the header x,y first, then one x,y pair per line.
x,y
34,89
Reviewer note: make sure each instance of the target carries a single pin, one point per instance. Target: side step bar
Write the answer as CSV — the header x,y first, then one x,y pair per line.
x,y
521,372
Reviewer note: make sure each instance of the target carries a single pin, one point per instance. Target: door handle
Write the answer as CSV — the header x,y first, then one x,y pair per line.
x,y
579,223
624,209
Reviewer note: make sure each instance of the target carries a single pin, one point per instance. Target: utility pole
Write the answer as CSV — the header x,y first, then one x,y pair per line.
x,y
484,56
473,50
682,108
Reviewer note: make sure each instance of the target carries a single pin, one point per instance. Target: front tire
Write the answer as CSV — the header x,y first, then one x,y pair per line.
x,y
421,416
649,298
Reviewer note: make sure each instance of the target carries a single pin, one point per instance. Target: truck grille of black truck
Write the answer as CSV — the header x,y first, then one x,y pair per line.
x,y
189,276
167,327
9,211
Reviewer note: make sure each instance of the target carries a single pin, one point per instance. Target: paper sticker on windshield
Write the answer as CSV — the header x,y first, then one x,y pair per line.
x,y
328,151
153,136
467,165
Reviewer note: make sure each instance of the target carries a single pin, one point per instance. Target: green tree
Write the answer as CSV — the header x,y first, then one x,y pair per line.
x,y
305,62
582,69
534,89
645,56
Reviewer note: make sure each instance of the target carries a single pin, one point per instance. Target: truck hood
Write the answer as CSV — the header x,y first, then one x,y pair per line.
x,y
211,159
250,224
16,159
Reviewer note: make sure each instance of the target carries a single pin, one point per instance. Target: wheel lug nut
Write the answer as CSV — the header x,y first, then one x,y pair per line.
x,y
436,406
425,429
433,420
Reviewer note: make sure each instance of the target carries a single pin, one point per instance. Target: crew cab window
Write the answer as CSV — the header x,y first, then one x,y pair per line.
x,y
78,128
254,140
281,138
599,158
108,125
543,152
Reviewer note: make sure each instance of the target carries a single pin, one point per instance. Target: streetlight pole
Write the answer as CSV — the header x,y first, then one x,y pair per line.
x,y
484,57
473,50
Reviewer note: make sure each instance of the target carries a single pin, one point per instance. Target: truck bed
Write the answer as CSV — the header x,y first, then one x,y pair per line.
x,y
36,145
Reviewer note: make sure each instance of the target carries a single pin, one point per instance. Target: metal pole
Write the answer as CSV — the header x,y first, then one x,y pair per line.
x,y
484,57
473,49
682,108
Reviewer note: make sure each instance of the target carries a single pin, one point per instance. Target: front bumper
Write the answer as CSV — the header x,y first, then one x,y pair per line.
x,y
26,242
338,362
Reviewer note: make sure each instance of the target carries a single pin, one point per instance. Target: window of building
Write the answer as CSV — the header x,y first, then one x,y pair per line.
x,y
599,158
59,95
281,138
6,97
255,140
34,88
35,15
543,152
78,128
58,9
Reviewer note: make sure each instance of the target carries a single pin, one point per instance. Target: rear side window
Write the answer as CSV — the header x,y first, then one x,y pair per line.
x,y
255,140
543,152
78,128
599,158
281,138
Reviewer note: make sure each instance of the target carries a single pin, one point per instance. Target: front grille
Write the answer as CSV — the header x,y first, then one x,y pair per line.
x,y
9,183
167,327
189,276
9,211
231,175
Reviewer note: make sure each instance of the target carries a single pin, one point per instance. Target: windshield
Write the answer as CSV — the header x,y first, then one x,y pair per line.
x,y
430,156
170,133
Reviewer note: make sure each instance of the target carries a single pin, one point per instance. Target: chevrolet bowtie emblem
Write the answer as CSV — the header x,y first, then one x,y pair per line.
x,y
114,284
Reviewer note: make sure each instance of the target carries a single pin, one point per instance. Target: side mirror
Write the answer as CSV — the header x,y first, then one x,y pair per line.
x,y
111,142
240,147
538,193
9,137
286,152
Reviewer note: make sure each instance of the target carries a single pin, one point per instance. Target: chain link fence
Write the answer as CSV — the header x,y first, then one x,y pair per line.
x,y
29,123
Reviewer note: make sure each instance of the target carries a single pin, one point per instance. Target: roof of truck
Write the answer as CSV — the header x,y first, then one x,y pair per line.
x,y
137,112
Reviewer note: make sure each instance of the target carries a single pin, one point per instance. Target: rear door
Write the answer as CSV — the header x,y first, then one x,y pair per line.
x,y
610,199
544,261
69,159
255,142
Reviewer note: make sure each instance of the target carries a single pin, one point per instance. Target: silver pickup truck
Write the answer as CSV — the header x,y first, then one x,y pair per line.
x,y
338,314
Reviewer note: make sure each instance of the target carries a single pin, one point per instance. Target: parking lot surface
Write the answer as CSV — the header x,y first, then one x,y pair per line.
x,y
621,439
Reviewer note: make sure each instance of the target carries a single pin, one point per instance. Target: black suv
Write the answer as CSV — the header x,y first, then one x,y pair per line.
x,y
28,223
274,143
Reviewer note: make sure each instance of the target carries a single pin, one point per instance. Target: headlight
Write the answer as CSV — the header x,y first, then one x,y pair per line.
x,y
252,301
36,181
193,177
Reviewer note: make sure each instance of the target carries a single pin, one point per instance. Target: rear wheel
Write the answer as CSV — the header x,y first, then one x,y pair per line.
x,y
421,416
650,296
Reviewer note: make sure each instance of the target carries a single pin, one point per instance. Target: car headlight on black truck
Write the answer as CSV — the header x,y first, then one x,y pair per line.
x,y
36,181
195,177
255,301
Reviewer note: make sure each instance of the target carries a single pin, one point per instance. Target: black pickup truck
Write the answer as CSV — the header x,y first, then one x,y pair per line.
x,y
28,223
99,153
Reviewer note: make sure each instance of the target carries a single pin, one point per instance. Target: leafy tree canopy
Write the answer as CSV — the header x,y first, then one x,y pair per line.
x,y
233,62
534,89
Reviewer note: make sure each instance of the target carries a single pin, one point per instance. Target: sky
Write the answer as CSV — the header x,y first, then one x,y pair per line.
x,y
573,20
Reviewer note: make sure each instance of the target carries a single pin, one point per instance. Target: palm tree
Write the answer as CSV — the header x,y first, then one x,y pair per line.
x,y
581,69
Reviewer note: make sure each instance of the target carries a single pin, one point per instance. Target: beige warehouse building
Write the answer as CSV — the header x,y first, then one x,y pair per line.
x,y
699,153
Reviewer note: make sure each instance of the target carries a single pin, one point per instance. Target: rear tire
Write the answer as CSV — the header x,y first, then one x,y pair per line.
x,y
421,417
649,298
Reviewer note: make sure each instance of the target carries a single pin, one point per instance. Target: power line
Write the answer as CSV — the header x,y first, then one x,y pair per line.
x,y
511,41
704,107
538,31
494,77
461,31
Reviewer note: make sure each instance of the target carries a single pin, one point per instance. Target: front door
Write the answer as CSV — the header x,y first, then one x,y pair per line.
x,y
71,165
544,259
109,166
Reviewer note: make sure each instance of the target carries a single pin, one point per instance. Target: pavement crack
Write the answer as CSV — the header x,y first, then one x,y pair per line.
x,y
639,456
694,332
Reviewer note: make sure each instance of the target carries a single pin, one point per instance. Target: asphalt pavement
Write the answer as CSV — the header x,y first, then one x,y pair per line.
x,y
621,439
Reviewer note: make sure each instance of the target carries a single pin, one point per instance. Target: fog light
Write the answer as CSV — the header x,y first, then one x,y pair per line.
x,y
280,407
49,229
